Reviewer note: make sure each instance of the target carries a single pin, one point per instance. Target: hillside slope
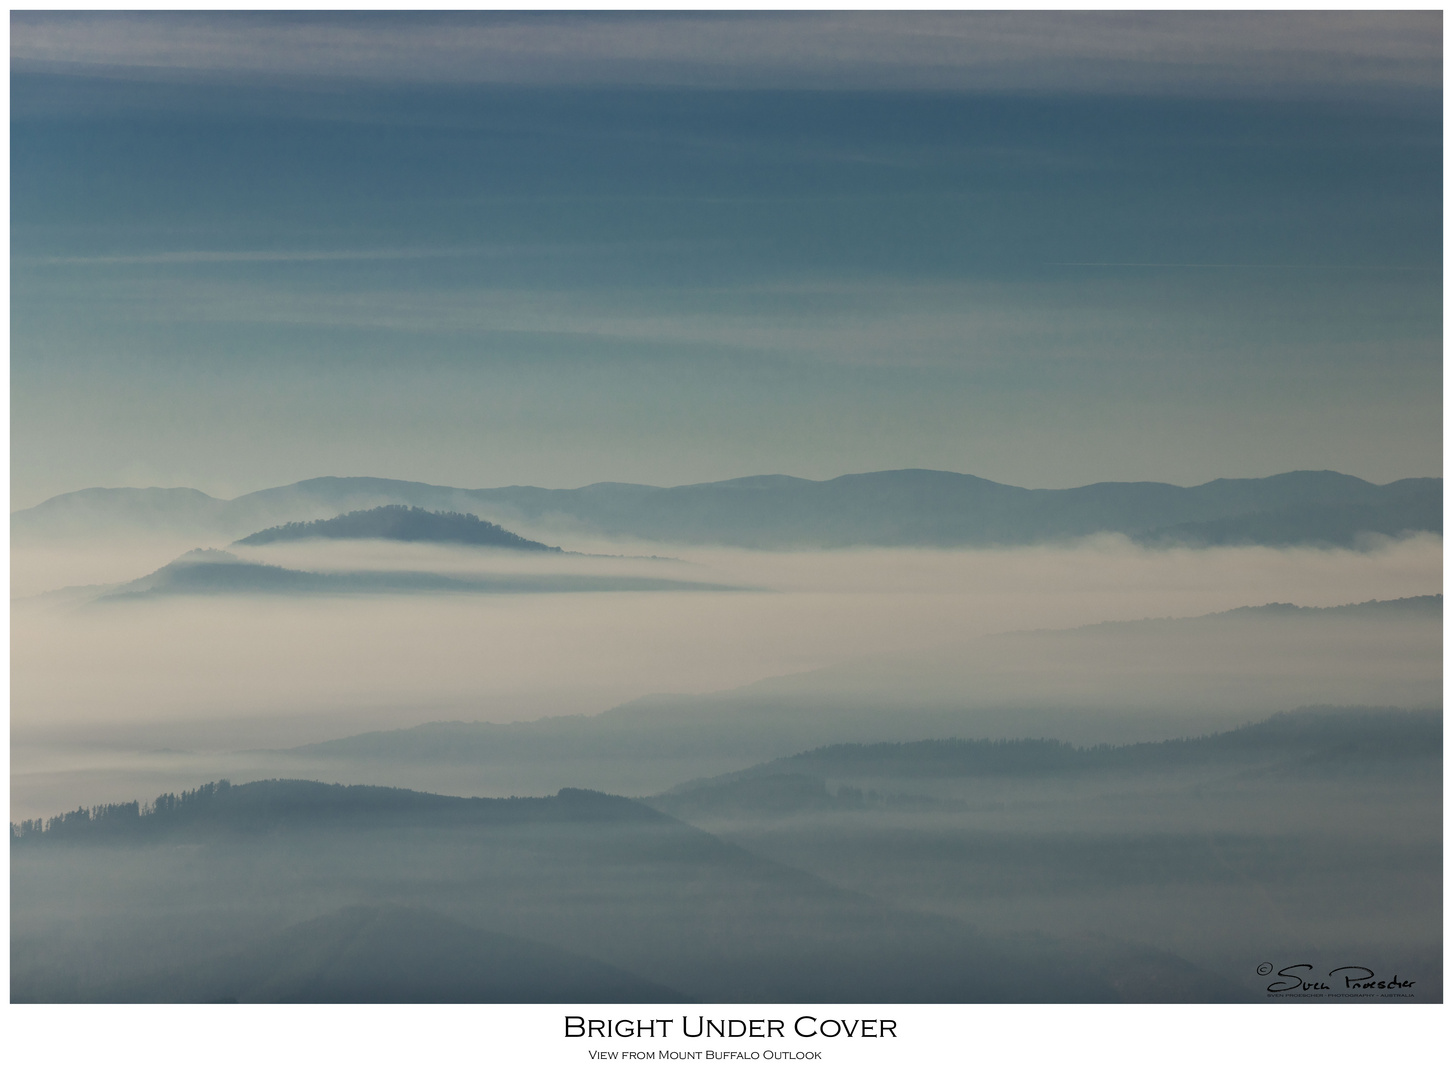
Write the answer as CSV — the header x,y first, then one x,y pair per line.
x,y
208,892
406,524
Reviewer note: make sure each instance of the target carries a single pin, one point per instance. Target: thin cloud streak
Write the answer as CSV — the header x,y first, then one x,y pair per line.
x,y
843,322
1235,53
1246,266
162,258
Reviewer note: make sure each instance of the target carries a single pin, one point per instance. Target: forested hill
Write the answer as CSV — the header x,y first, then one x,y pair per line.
x,y
206,572
405,523
1337,744
270,805
1304,740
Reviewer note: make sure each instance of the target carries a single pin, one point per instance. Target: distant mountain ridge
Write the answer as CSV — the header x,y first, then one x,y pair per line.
x,y
907,507
1317,741
405,523
1316,735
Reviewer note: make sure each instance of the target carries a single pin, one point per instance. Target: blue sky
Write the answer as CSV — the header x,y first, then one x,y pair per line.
x,y
485,250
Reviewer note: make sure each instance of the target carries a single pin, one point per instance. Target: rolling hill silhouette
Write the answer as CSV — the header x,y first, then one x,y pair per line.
x,y
1308,742
908,507
1172,677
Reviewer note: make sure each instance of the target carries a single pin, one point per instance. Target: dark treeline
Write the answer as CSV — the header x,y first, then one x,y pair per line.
x,y
266,805
774,794
117,817
405,523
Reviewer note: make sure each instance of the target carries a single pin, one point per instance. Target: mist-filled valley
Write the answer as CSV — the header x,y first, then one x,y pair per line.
x,y
597,876
955,870
1315,833
469,763
110,692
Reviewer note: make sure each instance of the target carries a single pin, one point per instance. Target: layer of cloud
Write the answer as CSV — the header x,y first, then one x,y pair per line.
x,y
1292,320
1194,52
80,668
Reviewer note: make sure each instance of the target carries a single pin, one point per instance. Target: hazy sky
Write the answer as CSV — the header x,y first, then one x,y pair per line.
x,y
555,249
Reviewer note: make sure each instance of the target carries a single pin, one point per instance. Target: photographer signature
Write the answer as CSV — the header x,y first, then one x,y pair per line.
x,y
1300,977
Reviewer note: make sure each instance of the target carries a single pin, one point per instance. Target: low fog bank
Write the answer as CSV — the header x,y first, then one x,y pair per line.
x,y
203,658
1110,683
40,568
1238,663
919,642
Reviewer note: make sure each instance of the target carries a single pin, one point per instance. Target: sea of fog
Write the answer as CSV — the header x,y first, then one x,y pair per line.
x,y
123,699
